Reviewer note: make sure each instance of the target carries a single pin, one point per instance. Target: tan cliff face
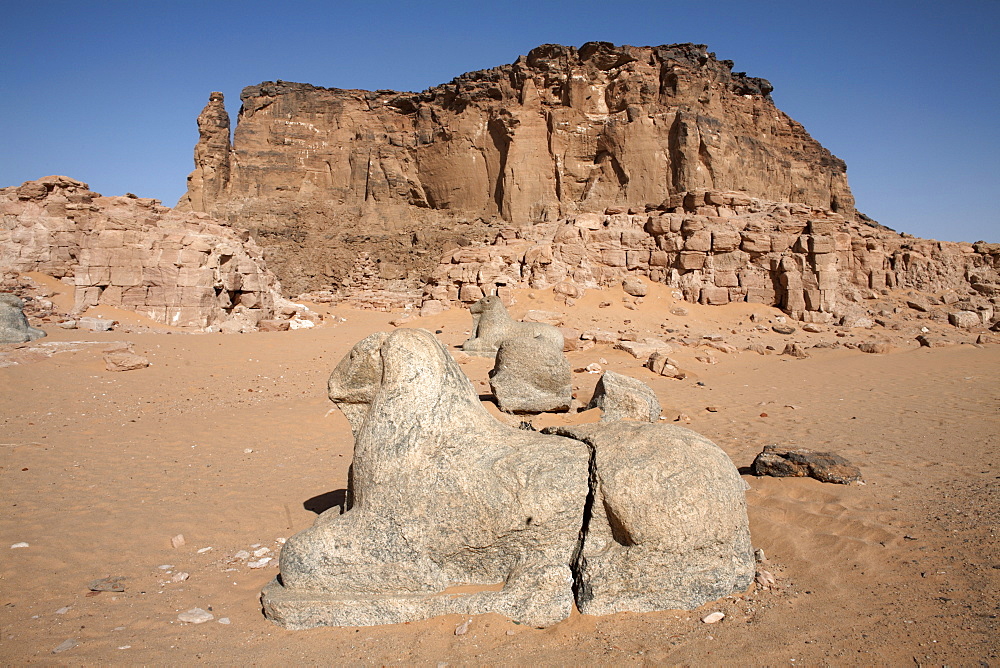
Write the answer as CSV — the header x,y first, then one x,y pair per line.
x,y
319,174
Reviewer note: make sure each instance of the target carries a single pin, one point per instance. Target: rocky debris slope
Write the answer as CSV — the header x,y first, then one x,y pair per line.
x,y
319,172
178,268
719,247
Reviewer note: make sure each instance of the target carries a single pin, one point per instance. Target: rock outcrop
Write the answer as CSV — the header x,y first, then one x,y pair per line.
x,y
180,269
450,511
719,247
558,132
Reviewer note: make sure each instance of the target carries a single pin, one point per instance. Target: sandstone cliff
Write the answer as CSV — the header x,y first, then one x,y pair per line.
x,y
181,269
319,173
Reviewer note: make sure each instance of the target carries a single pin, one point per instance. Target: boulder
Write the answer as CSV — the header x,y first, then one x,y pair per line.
x,y
965,319
667,525
14,327
531,376
124,360
660,364
622,397
492,325
635,286
780,461
441,495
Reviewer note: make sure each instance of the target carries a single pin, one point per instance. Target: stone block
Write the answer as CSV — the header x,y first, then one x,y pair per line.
x,y
613,258
698,241
725,240
821,244
761,296
726,279
470,293
635,259
714,295
688,260
111,296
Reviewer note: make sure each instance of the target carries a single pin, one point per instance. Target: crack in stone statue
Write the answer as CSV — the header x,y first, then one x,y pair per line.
x,y
450,511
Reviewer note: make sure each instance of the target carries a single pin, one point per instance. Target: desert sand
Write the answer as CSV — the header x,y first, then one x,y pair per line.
x,y
230,441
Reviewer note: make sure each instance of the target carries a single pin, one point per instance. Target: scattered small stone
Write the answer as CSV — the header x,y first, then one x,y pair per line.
x,y
110,583
204,550
794,349
96,324
63,610
463,628
764,579
683,417
758,555
875,347
177,541
712,409
224,620
69,643
604,305
783,329
510,632
196,616
260,563
812,327
180,577
280,541
165,567
247,451
16,546
679,311
261,552
242,554
713,617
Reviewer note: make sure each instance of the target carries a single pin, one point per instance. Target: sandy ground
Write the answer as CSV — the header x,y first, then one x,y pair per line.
x,y
229,440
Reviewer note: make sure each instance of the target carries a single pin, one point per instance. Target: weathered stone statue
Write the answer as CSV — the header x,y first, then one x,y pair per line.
x,y
450,511
492,325
14,327
443,496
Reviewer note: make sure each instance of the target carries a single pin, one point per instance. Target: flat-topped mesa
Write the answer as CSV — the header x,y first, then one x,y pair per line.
x,y
558,132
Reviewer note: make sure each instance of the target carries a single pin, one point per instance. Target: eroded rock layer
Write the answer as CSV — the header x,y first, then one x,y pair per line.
x,y
319,172
181,269
720,247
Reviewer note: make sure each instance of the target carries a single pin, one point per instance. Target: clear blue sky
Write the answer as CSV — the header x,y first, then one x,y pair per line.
x,y
907,93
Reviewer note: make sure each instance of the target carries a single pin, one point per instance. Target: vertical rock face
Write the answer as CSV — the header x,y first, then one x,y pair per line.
x,y
211,156
558,132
